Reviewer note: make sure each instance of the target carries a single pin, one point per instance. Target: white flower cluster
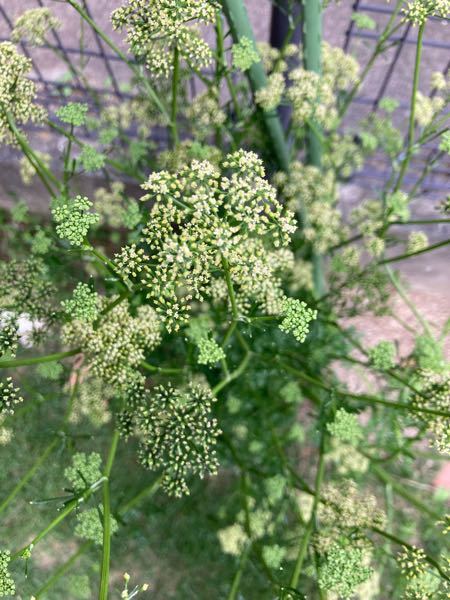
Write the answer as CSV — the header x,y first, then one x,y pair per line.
x,y
312,193
33,25
116,347
17,92
418,11
205,114
313,96
155,29
435,395
207,230
179,434
270,96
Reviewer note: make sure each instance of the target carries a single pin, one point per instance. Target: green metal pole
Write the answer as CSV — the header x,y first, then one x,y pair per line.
x,y
312,52
240,27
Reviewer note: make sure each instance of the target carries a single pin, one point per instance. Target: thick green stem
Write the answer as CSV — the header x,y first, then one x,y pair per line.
x,y
312,51
106,554
240,26
412,112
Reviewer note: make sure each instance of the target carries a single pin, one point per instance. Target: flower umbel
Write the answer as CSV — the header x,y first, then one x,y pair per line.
x,y
179,435
296,318
17,93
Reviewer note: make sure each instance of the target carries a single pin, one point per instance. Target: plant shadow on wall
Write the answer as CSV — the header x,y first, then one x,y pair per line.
x,y
172,424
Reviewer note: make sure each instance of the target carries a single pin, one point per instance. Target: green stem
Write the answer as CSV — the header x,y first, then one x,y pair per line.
x,y
175,86
29,474
44,174
147,491
379,49
385,477
20,362
233,375
304,542
62,570
240,26
109,265
412,112
364,397
431,561
163,370
312,48
223,67
409,254
149,89
106,554
231,294
412,307
69,508
234,590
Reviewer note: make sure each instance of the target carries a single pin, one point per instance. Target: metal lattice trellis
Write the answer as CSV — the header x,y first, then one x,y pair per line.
x,y
53,91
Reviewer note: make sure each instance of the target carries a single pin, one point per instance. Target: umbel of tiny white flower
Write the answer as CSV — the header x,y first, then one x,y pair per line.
x,y
33,25
73,113
91,159
17,93
383,355
435,395
205,113
9,396
206,226
418,11
343,570
412,561
178,434
296,318
84,470
210,352
345,427
73,219
7,585
83,305
115,347
244,54
232,539
417,241
25,285
9,337
144,21
269,97
90,525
